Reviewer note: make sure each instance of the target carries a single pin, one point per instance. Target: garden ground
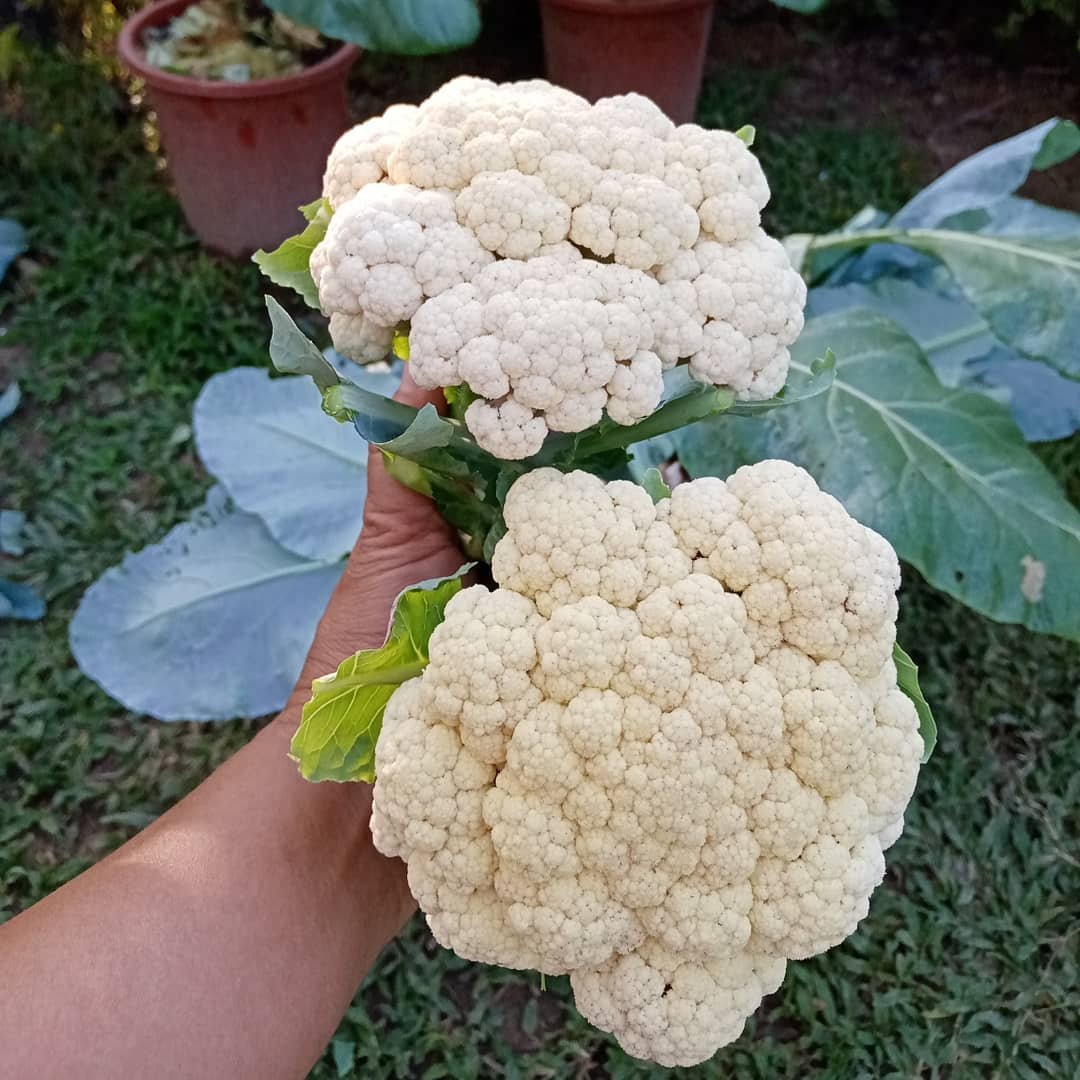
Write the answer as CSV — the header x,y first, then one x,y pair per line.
x,y
968,965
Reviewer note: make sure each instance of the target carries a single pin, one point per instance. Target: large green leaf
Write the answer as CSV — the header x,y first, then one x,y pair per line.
x,y
1018,263
266,441
961,348
405,27
994,173
1026,287
288,264
210,623
943,474
340,724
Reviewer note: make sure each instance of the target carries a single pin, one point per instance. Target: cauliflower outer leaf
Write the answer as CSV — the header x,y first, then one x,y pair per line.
x,y
665,755
288,263
341,721
907,678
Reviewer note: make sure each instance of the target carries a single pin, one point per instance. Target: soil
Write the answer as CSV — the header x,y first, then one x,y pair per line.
x,y
947,98
13,361
944,93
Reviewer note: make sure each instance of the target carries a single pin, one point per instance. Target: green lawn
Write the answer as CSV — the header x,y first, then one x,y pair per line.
x,y
968,965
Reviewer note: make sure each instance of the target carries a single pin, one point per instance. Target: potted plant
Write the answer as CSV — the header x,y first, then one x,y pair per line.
x,y
249,101
603,47
654,47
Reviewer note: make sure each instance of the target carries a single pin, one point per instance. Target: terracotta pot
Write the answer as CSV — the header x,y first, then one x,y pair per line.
x,y
244,156
603,47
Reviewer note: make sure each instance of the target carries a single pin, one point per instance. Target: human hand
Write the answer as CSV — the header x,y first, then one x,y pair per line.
x,y
404,540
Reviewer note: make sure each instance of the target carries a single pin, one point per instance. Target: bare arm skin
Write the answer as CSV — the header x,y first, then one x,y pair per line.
x,y
228,938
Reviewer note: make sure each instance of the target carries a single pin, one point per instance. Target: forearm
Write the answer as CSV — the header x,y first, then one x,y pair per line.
x,y
225,940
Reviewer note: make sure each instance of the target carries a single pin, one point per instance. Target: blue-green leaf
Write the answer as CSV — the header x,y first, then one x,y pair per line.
x,y
1026,287
1044,404
428,431
377,418
293,353
12,523
12,243
404,27
992,174
9,400
962,350
268,443
802,7
212,622
19,602
344,1054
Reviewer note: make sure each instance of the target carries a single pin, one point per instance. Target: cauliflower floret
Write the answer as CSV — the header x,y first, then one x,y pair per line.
x,y
486,644
509,430
569,177
635,388
358,339
388,248
754,302
360,156
549,344
672,1010
665,755
568,539
635,218
512,214
650,232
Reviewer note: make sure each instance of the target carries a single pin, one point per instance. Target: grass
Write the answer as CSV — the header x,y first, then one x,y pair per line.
x,y
968,965
820,173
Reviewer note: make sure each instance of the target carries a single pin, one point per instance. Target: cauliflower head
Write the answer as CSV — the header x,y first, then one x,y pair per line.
x,y
555,256
665,755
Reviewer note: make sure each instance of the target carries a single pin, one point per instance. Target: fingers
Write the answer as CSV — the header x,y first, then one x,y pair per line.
x,y
391,508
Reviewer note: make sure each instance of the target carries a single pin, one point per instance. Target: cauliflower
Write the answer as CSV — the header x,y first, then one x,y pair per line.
x,y
554,256
665,755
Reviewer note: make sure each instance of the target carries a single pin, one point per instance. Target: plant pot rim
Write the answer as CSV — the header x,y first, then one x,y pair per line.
x,y
627,7
130,49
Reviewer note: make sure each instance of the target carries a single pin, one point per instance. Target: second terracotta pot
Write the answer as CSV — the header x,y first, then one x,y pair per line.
x,y
243,156
653,47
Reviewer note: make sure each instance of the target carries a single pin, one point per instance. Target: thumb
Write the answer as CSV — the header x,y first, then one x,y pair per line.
x,y
391,505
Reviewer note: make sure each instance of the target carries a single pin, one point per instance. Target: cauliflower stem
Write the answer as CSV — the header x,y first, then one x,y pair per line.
x,y
438,457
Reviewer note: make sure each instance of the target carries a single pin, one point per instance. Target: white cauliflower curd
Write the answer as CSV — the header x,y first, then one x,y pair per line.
x,y
665,755
554,256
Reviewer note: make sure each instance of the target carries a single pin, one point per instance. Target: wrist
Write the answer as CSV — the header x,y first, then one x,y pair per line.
x,y
337,818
